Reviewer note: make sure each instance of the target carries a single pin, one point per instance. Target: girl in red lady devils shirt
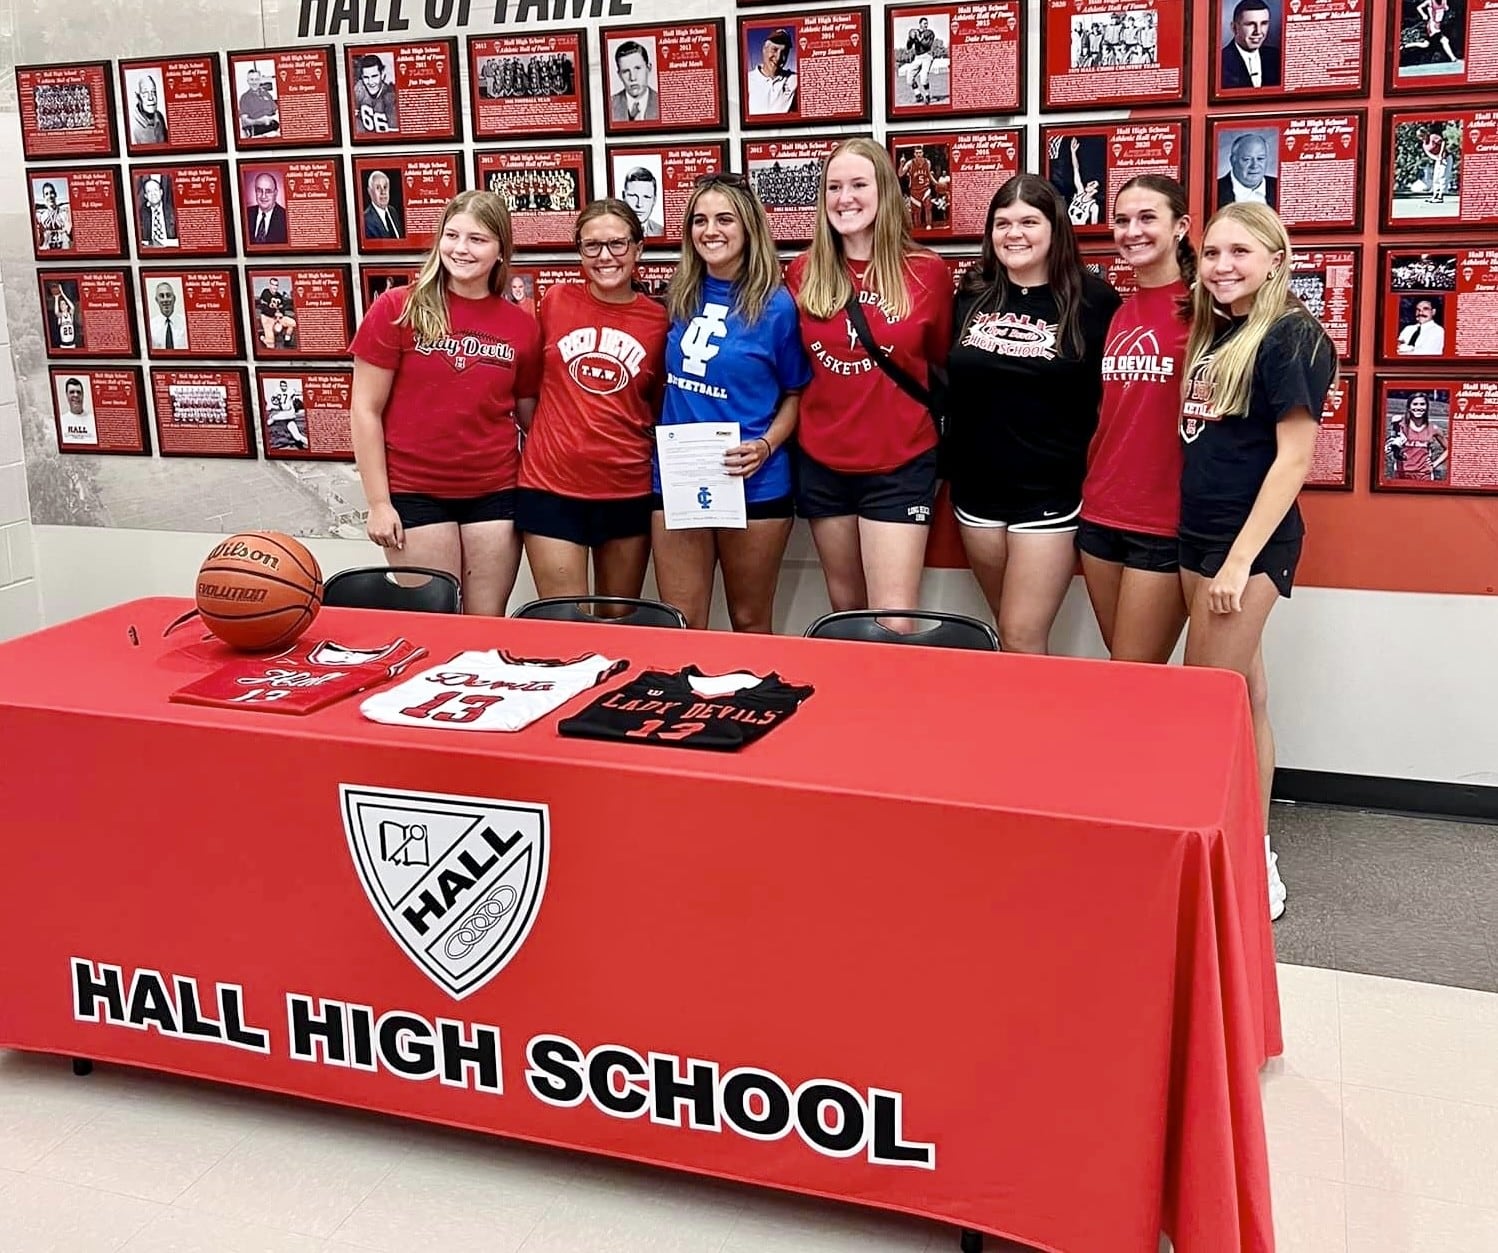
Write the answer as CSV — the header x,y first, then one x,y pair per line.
x,y
585,475
868,465
1131,498
443,371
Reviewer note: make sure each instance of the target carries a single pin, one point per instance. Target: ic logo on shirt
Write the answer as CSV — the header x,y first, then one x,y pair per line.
x,y
600,359
697,347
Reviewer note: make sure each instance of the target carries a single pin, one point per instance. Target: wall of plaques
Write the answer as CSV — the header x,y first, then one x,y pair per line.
x,y
209,224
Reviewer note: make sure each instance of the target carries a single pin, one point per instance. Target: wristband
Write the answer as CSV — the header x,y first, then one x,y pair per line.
x,y
769,451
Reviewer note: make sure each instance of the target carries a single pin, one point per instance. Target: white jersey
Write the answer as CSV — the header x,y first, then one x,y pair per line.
x,y
487,691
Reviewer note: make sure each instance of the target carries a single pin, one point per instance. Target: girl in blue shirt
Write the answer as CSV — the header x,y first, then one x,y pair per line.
x,y
733,354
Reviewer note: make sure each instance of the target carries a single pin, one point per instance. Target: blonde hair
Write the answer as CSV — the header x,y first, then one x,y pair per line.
x,y
759,269
426,300
827,286
1230,370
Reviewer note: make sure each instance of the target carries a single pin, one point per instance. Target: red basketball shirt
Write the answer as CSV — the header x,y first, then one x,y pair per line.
x,y
301,679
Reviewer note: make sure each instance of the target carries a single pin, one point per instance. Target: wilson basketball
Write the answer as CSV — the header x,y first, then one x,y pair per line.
x,y
259,590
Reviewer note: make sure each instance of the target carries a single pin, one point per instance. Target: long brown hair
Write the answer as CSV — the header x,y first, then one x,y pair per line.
x,y
426,301
827,286
1174,196
989,281
759,268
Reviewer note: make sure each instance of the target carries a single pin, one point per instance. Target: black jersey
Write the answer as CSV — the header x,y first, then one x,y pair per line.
x,y
689,708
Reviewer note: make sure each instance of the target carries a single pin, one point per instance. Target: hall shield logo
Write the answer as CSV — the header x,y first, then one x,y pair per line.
x,y
457,880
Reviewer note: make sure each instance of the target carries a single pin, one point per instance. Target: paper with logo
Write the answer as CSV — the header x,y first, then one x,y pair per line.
x,y
696,488
457,880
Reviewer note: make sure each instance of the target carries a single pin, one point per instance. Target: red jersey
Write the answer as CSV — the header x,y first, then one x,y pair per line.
x,y
853,417
300,679
450,420
600,395
1134,463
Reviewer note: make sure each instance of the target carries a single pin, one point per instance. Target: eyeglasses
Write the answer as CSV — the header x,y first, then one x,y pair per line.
x,y
595,247
728,178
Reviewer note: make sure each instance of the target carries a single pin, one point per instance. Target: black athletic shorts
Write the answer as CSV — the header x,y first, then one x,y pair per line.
x,y
1046,517
418,509
588,523
1135,550
904,494
756,510
1278,560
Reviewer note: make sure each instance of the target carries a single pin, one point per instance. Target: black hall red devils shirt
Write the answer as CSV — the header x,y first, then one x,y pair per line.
x,y
689,708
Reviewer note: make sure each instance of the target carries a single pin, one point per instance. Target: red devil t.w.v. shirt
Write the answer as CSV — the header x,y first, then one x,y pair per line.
x,y
449,423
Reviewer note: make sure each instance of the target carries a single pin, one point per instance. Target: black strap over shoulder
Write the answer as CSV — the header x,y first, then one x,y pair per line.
x,y
901,378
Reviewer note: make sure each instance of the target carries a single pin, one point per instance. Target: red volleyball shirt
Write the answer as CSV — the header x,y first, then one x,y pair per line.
x,y
450,420
1134,462
604,365
853,416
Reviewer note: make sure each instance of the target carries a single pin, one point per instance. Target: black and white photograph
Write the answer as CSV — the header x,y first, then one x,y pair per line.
x,y
636,179
1425,271
536,191
1077,167
52,211
1247,167
1251,38
1120,39
787,182
145,106
925,173
285,414
633,80
167,316
63,107
156,210
373,94
275,312
541,74
921,49
257,112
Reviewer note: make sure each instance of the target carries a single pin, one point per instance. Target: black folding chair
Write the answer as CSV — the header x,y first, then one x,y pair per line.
x,y
944,630
394,587
634,611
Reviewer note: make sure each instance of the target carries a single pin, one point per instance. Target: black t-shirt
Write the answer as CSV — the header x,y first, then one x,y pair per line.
x,y
1228,458
1022,408
689,708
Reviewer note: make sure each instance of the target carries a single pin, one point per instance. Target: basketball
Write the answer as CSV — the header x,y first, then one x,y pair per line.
x,y
259,590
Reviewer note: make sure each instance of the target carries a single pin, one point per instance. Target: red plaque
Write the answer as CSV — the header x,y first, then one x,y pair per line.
x,y
100,409
201,412
77,213
523,86
1308,167
182,210
1438,304
399,198
291,206
954,60
1332,461
948,178
1112,269
543,187
301,311
283,98
1436,434
375,280
1088,164
1098,54
66,111
1326,279
304,414
172,104
657,182
664,78
786,175
1442,45
403,92
191,314
804,68
87,313
1291,48
1441,168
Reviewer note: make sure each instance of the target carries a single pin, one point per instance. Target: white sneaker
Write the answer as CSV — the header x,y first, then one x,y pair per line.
x,y
1277,891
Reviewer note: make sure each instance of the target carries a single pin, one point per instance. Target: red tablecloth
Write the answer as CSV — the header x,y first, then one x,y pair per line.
x,y
1010,908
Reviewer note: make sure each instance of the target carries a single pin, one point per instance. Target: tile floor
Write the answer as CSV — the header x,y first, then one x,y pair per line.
x,y
1382,1116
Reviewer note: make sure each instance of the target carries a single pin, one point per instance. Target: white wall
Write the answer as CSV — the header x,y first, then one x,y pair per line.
x,y
1363,682
19,609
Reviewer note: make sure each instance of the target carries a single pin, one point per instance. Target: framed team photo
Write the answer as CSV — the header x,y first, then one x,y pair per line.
x,y
1429,42
304,413
399,198
100,410
67,111
403,93
284,98
87,313
300,312
182,210
1436,304
191,314
948,178
1088,163
542,187
376,278
954,60
172,104
1333,459
1428,154
786,175
1110,53
291,206
202,411
1268,51
529,86
657,182
1433,434
77,213
1307,167
664,78
1326,281
803,69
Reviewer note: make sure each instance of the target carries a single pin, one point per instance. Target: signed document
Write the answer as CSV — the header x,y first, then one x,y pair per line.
x,y
696,488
